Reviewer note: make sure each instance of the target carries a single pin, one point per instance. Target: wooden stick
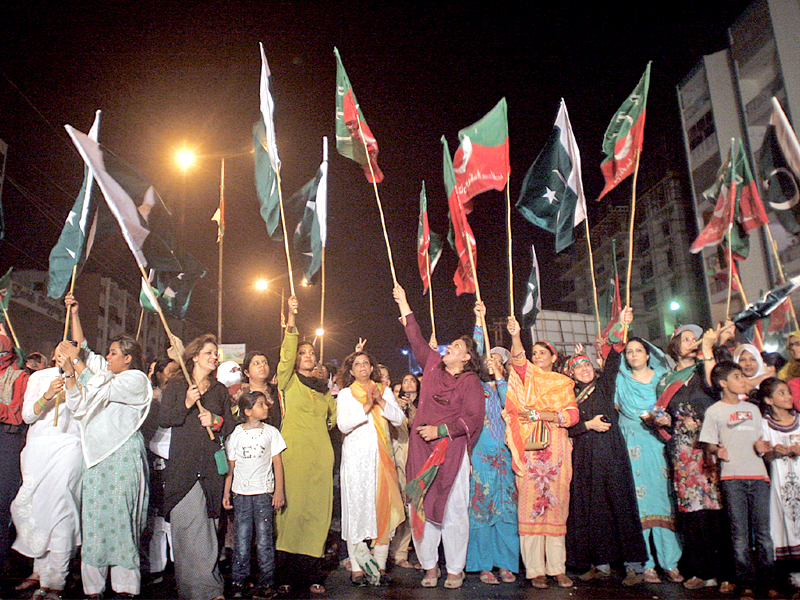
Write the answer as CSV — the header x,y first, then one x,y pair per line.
x,y
285,235
594,281
378,200
477,292
744,299
630,241
60,395
221,245
430,292
774,245
141,320
730,275
182,364
322,308
508,235
11,329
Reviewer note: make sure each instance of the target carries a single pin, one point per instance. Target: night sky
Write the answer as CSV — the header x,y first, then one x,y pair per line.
x,y
167,73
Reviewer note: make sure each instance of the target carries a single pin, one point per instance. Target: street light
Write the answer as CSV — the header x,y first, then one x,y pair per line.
x,y
262,285
674,306
185,158
319,332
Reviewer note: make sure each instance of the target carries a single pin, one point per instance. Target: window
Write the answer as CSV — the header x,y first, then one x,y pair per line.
x,y
646,272
649,299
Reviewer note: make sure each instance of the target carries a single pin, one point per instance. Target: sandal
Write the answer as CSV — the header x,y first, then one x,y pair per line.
x,y
539,581
564,581
453,582
404,564
506,576
358,580
650,576
488,577
674,575
317,589
284,590
27,584
433,581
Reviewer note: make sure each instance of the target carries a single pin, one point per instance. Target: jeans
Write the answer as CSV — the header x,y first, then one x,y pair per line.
x,y
247,511
747,502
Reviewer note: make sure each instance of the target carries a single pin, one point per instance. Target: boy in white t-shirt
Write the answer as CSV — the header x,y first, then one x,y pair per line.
x,y
255,477
731,428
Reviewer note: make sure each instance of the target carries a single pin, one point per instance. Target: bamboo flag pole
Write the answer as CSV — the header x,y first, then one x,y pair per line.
x,y
591,268
171,338
730,275
322,308
11,329
759,340
378,200
430,292
508,234
285,235
477,293
774,245
60,395
221,244
630,239
141,320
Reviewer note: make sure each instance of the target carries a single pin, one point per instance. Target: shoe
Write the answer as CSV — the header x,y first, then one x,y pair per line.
x,y
430,582
345,564
594,573
359,580
27,584
726,587
695,583
488,577
317,589
237,590
747,594
632,578
674,575
564,581
539,581
284,590
453,582
650,576
506,576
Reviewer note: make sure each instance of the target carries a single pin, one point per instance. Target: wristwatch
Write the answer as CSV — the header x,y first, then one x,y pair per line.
x,y
75,361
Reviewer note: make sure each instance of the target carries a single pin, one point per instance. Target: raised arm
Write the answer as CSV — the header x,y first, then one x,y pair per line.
x,y
288,347
422,351
77,329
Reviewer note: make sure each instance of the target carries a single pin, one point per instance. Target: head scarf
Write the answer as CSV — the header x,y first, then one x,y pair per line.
x,y
791,369
741,349
504,354
8,357
634,397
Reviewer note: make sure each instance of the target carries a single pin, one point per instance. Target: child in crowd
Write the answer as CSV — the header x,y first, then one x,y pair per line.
x,y
780,445
255,477
730,431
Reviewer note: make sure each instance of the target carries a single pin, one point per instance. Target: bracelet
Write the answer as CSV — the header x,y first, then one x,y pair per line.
x,y
70,376
442,431
39,402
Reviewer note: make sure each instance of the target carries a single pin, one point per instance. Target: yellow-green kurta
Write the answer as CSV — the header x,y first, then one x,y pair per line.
x,y
307,461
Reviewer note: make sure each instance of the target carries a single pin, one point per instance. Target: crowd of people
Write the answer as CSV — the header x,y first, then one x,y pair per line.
x,y
647,465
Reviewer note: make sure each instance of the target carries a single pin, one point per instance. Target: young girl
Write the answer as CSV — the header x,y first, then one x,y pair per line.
x,y
255,477
780,445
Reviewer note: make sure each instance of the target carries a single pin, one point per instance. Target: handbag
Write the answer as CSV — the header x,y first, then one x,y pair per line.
x,y
540,436
221,458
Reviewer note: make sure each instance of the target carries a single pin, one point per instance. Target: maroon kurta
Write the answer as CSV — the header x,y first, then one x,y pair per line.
x,y
453,400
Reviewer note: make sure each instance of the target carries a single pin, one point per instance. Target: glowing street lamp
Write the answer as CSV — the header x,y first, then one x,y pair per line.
x,y
262,285
319,332
674,306
185,158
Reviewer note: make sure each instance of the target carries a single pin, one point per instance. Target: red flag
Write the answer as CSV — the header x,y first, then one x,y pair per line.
x,y
777,318
481,160
723,274
460,235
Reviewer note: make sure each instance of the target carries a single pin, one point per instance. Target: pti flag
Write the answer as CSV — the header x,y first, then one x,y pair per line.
x,y
624,136
481,161
460,234
429,244
352,131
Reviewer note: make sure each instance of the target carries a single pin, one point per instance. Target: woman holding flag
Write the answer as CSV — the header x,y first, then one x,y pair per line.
x,y
372,506
444,431
540,406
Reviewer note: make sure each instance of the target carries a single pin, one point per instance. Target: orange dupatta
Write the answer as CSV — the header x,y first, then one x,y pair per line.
x,y
542,391
388,501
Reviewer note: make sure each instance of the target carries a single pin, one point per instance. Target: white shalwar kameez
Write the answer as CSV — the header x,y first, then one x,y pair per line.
x,y
46,511
359,466
784,504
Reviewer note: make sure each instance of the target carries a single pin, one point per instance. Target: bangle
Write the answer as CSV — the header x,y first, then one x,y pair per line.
x,y
70,376
442,431
39,402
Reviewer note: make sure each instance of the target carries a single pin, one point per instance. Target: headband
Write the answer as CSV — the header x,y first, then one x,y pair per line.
x,y
549,346
576,360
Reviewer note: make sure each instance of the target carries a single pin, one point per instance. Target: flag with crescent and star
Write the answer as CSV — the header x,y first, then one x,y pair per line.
x,y
552,192
532,305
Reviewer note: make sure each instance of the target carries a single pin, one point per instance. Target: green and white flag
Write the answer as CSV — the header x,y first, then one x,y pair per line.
x,y
76,239
532,305
267,162
552,192
311,231
5,289
429,243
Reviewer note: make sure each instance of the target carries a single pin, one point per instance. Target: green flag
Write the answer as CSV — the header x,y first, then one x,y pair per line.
x,y
266,183
309,235
532,304
429,243
173,289
5,289
552,192
624,137
75,242
352,130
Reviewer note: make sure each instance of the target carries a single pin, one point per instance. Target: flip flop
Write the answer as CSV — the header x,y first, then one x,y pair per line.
x,y
453,582
488,577
506,576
